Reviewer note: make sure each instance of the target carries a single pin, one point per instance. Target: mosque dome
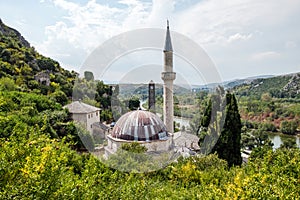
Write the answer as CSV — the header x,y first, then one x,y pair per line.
x,y
140,125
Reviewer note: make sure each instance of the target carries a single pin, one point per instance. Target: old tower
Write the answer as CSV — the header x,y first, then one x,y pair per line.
x,y
168,76
151,96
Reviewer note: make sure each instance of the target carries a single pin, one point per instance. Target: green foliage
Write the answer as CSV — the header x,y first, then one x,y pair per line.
x,y
288,127
133,103
134,147
89,76
176,126
21,62
103,94
256,139
278,87
267,127
228,145
7,84
205,120
83,140
60,97
106,115
33,109
34,166
288,143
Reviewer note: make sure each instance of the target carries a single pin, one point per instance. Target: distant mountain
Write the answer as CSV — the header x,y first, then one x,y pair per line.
x,y
229,84
129,89
233,83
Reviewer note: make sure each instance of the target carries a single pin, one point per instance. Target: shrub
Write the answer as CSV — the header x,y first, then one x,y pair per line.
x,y
288,127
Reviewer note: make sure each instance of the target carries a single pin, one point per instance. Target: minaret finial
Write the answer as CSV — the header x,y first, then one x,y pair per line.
x,y
167,23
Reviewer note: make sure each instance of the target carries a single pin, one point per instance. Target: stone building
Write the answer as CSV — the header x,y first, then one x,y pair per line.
x,y
183,139
85,114
43,78
140,126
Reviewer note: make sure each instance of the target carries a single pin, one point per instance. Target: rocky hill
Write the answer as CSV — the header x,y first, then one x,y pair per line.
x,y
284,86
10,32
28,69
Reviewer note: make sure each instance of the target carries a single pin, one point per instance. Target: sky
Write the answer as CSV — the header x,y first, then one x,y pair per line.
x,y
243,38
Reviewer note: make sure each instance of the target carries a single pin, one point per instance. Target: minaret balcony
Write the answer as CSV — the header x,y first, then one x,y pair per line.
x,y
171,76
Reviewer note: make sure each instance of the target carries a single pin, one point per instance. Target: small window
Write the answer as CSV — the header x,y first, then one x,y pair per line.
x,y
88,116
92,115
91,126
97,114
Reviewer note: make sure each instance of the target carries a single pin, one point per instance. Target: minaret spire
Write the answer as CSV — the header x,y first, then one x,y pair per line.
x,y
168,76
168,43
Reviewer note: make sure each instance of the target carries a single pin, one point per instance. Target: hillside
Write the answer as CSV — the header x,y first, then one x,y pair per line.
x,y
20,62
285,86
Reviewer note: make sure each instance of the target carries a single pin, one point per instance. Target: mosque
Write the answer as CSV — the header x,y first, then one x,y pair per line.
x,y
146,127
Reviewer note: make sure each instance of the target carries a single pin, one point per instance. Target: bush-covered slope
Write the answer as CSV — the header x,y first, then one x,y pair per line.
x,y
285,86
20,62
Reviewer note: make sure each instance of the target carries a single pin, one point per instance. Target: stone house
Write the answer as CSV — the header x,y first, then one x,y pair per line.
x,y
85,114
43,78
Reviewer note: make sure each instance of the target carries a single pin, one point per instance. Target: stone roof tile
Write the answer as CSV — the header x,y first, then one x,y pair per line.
x,y
80,107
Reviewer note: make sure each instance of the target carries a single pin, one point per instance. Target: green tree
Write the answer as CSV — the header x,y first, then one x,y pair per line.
x,y
89,76
60,97
205,120
133,103
103,94
228,145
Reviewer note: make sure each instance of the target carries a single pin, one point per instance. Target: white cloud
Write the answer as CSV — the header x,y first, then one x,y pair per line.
x,y
211,22
265,55
239,36
216,24
208,22
66,5
87,26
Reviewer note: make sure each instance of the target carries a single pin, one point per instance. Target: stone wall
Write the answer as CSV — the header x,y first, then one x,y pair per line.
x,y
113,144
87,119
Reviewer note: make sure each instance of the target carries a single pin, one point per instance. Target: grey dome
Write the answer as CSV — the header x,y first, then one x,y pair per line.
x,y
140,125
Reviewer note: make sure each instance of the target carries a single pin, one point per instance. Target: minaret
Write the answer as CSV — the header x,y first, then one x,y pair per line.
x,y
168,76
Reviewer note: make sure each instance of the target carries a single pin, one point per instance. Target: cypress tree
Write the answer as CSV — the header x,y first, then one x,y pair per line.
x,y
228,146
205,120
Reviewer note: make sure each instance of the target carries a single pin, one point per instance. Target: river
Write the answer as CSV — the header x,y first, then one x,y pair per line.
x,y
276,138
